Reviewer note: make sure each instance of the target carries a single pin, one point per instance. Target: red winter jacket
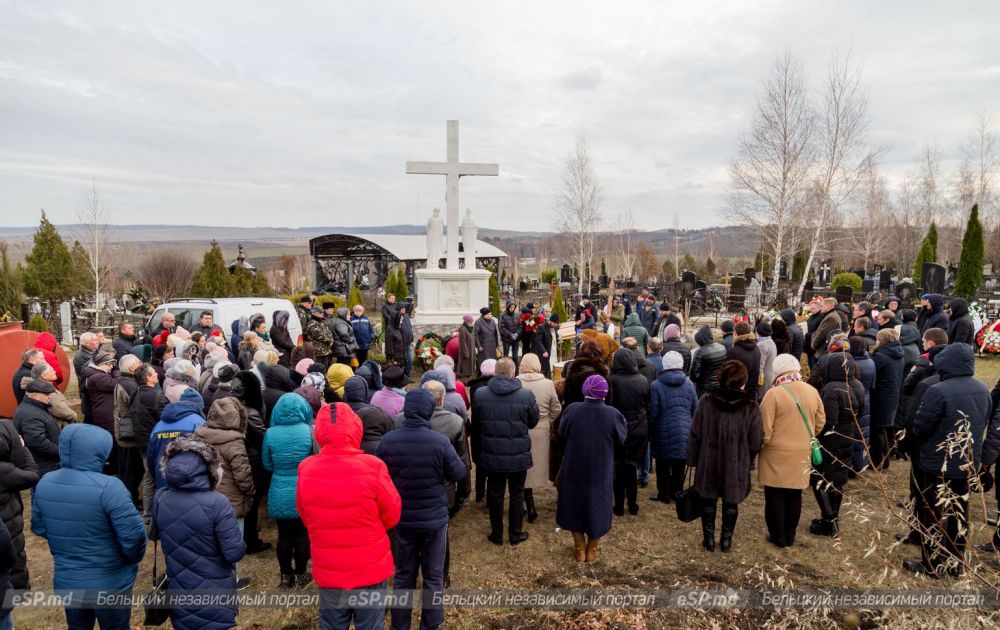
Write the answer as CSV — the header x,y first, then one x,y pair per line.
x,y
47,344
347,501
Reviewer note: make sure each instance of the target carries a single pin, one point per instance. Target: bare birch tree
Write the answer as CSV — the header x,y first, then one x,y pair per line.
x,y
774,155
677,243
841,155
95,237
978,171
627,241
578,208
871,233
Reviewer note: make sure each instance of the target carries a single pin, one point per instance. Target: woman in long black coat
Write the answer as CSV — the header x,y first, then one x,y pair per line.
x,y
585,363
629,395
844,401
18,471
889,360
591,430
726,435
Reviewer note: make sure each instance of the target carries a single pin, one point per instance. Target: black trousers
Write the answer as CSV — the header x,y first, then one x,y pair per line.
x,y
942,542
782,509
480,481
251,522
130,471
626,484
293,545
881,446
669,478
496,485
362,355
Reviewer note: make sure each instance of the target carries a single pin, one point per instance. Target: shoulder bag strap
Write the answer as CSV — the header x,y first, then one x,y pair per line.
x,y
801,412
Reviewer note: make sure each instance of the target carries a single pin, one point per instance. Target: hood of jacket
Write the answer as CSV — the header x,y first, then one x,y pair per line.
x,y
672,378
418,408
893,350
908,335
372,373
291,409
625,362
84,447
504,385
342,313
277,378
182,378
356,390
46,341
510,305
936,302
449,377
632,320
190,464
338,427
839,368
958,308
955,360
280,319
227,414
788,316
704,335
175,412
434,375
337,375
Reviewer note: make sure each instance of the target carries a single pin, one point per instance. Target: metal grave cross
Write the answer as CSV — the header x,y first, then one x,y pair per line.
x,y
452,170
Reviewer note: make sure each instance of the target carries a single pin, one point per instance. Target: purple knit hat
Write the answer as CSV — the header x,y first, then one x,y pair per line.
x,y
595,387
468,319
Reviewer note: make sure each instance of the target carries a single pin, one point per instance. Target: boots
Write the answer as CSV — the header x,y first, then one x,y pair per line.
x,y
592,550
580,544
287,581
529,505
708,526
729,515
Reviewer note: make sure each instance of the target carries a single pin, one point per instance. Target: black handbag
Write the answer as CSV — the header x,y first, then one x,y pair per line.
x,y
156,609
687,501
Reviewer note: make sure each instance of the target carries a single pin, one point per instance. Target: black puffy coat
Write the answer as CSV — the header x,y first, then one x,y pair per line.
x,y
8,557
745,351
420,461
795,335
281,339
960,326
101,394
40,433
344,343
888,384
959,395
936,317
22,372
18,472
277,383
510,325
145,410
374,420
630,395
707,361
504,413
843,400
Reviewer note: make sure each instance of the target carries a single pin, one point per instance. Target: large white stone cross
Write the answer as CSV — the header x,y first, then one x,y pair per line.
x,y
452,170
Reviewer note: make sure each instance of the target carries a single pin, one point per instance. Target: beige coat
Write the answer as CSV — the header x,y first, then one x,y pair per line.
x,y
549,409
785,460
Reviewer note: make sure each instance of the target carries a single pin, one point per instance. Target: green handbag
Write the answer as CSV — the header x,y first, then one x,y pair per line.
x,y
817,454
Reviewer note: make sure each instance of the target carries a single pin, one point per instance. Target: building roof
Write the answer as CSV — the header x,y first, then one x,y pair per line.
x,y
404,247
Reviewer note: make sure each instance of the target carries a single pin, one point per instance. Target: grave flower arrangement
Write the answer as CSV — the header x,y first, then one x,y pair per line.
x,y
988,338
530,322
428,348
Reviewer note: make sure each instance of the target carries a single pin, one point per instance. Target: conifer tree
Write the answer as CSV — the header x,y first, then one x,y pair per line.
x,y
494,295
11,285
970,265
213,278
354,297
48,268
402,288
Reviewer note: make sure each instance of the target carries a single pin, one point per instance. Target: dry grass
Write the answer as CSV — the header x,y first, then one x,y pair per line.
x,y
653,551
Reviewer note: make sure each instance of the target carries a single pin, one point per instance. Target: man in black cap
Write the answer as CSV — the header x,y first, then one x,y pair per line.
x,y
667,317
37,426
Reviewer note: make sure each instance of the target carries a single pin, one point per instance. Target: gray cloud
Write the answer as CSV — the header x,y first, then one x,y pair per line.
x,y
304,113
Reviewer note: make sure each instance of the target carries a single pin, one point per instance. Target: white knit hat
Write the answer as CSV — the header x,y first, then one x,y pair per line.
x,y
785,363
673,361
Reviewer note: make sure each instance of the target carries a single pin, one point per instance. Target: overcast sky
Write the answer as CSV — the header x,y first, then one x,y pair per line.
x,y
303,113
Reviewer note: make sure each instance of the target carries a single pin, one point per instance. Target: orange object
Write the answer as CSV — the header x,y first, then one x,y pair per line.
x,y
13,341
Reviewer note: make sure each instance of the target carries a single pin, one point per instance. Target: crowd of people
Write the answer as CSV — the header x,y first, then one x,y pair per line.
x,y
185,435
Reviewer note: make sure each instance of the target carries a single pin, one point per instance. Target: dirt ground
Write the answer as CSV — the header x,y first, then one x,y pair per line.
x,y
654,551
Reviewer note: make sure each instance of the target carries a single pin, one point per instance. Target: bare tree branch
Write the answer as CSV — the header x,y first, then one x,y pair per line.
x,y
578,208
95,237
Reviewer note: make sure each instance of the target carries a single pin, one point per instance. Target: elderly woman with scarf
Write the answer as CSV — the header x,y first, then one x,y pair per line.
x,y
792,413
591,431
466,367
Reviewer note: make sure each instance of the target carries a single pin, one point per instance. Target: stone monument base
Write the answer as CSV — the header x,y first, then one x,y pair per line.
x,y
444,296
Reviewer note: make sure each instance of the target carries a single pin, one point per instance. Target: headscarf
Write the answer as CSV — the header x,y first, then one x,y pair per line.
x,y
302,367
529,364
315,380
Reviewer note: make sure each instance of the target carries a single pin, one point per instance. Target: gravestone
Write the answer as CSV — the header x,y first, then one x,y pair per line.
x,y
605,281
867,286
933,278
688,279
825,271
988,270
701,285
566,274
885,279
905,291
783,271
737,293
844,294
749,274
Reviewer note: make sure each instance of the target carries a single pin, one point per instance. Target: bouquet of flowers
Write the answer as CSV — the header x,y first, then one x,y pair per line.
x,y
530,322
741,317
988,338
427,350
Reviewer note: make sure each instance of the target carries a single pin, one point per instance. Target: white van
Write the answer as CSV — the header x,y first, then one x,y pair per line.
x,y
225,311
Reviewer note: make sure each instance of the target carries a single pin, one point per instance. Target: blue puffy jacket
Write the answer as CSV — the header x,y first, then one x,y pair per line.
x,y
420,461
286,444
672,403
364,334
958,395
198,531
177,419
95,534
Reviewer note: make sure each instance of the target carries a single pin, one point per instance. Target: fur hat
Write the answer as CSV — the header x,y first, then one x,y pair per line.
x,y
191,443
484,310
